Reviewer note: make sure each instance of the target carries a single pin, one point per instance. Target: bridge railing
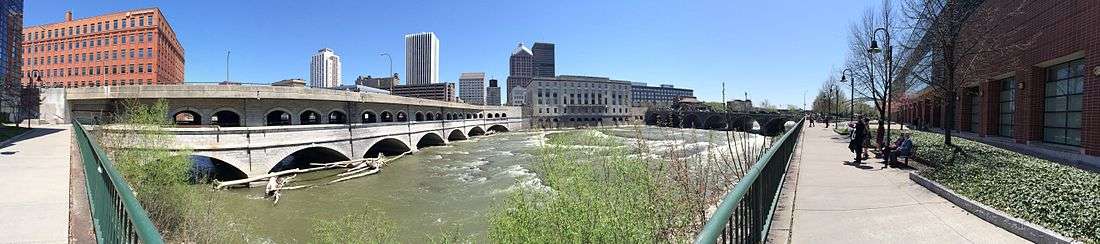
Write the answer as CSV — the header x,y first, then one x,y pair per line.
x,y
744,214
117,216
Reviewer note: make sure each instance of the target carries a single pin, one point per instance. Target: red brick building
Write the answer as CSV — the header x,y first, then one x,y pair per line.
x,y
135,47
1049,95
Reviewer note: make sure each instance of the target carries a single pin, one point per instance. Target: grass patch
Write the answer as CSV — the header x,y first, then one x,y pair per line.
x,y
1062,198
600,195
841,130
7,132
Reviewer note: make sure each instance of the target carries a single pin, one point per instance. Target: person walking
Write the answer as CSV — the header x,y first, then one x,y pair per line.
x,y
811,119
858,135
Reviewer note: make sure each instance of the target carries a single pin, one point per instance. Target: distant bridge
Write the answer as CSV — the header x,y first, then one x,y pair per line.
x,y
249,130
770,124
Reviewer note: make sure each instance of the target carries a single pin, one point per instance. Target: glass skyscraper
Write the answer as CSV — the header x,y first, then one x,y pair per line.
x,y
11,56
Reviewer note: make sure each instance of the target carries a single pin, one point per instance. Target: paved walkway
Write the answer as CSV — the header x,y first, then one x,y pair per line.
x,y
835,201
34,193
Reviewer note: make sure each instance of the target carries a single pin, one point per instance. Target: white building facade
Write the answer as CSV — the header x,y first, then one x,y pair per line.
x,y
471,88
421,58
324,69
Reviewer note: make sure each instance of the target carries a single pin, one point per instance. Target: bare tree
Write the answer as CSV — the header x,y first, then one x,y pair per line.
x,y
957,42
828,96
869,72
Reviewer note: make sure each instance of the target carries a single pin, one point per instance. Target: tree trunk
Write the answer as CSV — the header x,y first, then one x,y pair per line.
x,y
949,116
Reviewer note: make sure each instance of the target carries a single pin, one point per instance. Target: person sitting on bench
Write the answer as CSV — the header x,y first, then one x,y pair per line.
x,y
903,147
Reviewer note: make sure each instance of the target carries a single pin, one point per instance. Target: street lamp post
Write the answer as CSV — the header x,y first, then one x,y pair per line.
x,y
836,108
852,93
887,56
390,59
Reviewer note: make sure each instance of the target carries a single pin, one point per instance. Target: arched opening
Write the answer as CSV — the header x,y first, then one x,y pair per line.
x,y
456,135
775,127
187,117
743,123
438,116
480,115
278,117
498,128
226,118
309,118
387,116
419,116
402,117
716,122
337,117
450,116
429,140
388,147
430,116
476,131
369,117
505,115
469,116
205,169
689,121
306,157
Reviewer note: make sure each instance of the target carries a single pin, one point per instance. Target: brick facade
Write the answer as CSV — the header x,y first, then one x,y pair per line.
x,y
1057,32
135,47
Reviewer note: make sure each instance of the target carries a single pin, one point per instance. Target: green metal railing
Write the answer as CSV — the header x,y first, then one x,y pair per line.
x,y
745,212
117,216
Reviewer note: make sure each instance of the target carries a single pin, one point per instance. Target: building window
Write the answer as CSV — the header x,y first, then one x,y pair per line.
x,y
975,108
1007,106
1062,103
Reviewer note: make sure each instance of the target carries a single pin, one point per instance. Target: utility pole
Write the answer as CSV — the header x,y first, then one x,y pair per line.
x,y
392,75
227,66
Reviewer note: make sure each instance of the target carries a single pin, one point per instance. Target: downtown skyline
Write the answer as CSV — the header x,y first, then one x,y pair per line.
x,y
697,46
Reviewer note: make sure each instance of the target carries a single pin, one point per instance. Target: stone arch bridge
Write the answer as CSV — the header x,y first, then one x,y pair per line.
x,y
249,130
769,124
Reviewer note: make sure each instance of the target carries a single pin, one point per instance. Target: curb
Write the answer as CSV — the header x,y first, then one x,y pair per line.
x,y
1020,227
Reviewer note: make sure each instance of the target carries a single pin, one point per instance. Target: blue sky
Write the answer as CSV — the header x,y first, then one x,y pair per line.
x,y
773,50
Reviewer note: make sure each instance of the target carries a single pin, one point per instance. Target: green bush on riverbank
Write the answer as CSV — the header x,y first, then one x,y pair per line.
x,y
602,193
1062,198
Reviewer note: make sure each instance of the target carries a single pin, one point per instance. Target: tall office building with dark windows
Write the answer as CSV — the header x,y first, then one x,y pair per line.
x,y
544,59
492,93
11,56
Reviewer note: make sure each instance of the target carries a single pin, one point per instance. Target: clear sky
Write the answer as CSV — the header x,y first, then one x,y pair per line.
x,y
773,49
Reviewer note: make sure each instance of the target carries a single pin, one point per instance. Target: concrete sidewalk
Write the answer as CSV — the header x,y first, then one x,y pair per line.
x,y
35,189
835,201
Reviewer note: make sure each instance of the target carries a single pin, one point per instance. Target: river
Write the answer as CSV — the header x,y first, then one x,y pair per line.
x,y
445,188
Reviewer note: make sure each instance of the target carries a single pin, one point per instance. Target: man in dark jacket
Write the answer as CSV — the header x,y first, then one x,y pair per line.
x,y
858,135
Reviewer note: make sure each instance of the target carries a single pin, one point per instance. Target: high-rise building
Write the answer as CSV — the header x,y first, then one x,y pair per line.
x,y
544,59
472,88
134,47
657,97
421,58
324,69
11,59
520,70
492,93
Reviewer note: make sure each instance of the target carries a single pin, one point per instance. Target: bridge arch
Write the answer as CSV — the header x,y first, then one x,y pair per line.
x,y
498,128
278,116
690,121
303,158
387,146
226,117
309,117
430,139
716,122
386,116
187,117
206,168
456,135
742,123
419,116
337,116
369,117
476,131
774,126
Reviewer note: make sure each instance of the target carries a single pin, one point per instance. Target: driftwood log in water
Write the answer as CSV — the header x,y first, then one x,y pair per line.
x,y
354,166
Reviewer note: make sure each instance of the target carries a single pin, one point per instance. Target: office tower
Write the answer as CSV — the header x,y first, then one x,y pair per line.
x,y
421,58
544,59
11,26
133,47
492,93
520,70
472,88
324,69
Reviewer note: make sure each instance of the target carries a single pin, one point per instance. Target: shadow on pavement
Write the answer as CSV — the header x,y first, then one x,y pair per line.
x,y
34,133
859,165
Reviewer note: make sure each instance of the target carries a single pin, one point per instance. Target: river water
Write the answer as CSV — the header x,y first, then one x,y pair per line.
x,y
449,188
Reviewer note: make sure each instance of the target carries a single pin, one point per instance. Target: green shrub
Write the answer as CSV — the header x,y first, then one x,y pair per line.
x,y
364,226
599,195
841,130
1062,198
